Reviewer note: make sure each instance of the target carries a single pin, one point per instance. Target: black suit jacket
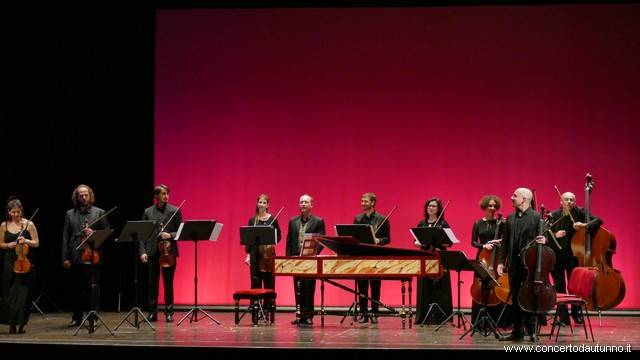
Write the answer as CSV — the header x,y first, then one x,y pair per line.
x,y
315,225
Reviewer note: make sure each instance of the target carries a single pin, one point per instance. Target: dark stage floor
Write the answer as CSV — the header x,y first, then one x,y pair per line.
x,y
47,334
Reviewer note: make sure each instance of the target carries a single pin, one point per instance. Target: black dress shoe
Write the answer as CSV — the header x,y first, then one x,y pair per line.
x,y
374,319
295,322
578,320
511,337
306,321
74,323
169,318
153,317
364,319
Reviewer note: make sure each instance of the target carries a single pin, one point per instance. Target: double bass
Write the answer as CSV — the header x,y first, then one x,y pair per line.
x,y
488,258
595,250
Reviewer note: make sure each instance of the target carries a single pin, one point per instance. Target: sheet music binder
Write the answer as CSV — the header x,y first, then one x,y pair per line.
x,y
434,236
258,235
362,232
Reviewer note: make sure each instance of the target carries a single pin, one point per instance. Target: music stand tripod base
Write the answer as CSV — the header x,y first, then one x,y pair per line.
x,y
193,316
132,231
196,230
93,242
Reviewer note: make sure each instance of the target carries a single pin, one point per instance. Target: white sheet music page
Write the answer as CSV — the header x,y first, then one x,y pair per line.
x,y
216,231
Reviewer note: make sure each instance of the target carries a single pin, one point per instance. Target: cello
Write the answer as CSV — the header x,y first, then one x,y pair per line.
x,y
595,250
489,259
536,294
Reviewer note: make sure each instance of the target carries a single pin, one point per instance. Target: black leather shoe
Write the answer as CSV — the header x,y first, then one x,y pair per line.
x,y
169,317
374,319
364,319
153,317
295,322
306,321
578,320
511,337
74,323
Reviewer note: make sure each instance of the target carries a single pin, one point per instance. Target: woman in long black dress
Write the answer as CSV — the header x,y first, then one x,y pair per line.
x,y
433,290
18,236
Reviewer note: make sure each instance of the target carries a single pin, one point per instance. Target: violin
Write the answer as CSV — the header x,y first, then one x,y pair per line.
x,y
166,256
596,251
537,295
267,251
88,256
23,264
489,259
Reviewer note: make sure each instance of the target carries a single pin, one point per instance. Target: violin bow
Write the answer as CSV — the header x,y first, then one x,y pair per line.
x,y
171,218
442,213
28,222
278,214
565,208
385,219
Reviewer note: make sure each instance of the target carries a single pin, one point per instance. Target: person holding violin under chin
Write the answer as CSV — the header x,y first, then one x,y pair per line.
x,y
79,222
160,250
522,232
18,236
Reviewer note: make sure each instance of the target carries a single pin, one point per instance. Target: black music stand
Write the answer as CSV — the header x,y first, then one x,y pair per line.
x,y
93,242
483,319
458,261
196,230
434,236
363,233
131,233
255,236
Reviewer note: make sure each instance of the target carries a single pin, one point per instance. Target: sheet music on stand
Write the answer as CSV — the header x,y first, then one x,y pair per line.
x,y
434,236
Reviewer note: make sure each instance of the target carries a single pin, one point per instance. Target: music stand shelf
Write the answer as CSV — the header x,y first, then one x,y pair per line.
x,y
93,242
132,232
196,230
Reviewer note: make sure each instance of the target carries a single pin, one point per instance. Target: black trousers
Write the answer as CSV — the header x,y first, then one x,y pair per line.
x,y
168,273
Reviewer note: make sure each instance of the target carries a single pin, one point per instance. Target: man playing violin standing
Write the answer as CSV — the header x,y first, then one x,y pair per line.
x,y
382,232
522,226
160,250
570,218
80,222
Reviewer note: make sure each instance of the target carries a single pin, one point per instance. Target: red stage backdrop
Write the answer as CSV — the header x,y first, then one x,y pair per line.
x,y
409,103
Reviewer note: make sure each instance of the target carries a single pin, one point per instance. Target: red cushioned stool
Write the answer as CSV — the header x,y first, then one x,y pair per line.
x,y
255,296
